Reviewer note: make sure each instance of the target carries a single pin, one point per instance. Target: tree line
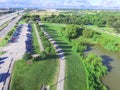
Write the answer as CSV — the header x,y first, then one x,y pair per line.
x,y
98,19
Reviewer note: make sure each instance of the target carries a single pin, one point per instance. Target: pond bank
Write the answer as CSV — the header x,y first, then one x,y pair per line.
x,y
112,61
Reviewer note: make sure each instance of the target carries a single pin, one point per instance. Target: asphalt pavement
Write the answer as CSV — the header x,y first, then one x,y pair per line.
x,y
10,26
7,17
14,51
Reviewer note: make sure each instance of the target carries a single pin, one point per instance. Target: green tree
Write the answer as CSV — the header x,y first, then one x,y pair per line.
x,y
110,20
116,25
71,31
27,56
43,55
96,70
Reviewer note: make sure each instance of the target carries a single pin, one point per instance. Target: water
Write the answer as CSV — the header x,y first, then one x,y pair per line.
x,y
112,61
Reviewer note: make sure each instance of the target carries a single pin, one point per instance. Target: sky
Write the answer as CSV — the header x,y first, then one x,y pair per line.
x,y
59,3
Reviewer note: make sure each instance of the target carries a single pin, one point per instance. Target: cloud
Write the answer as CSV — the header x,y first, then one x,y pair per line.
x,y
59,3
46,3
77,3
111,3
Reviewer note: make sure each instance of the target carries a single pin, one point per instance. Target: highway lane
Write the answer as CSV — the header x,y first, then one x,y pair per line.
x,y
10,26
14,51
8,17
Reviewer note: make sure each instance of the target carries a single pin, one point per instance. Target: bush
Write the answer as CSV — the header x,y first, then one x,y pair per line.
x,y
43,38
47,50
41,33
46,44
27,56
43,55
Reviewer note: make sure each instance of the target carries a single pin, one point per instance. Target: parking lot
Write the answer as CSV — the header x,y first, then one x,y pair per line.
x,y
14,51
29,46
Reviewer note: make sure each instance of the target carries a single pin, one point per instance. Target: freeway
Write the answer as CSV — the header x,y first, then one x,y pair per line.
x,y
14,51
10,26
8,17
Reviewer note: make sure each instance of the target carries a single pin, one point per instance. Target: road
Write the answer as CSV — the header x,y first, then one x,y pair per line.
x,y
14,51
60,53
39,40
10,26
7,17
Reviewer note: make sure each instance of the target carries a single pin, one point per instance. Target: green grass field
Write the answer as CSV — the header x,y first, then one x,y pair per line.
x,y
32,77
75,78
4,25
35,41
93,27
1,52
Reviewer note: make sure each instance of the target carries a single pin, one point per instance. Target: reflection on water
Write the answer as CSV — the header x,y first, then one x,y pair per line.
x,y
112,61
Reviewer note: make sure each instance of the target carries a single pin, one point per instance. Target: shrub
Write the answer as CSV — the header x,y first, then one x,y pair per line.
x,y
43,55
27,56
46,44
47,50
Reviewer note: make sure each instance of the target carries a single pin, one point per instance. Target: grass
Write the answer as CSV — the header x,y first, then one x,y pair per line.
x,y
44,13
1,53
4,25
100,28
32,77
75,78
35,41
21,21
4,41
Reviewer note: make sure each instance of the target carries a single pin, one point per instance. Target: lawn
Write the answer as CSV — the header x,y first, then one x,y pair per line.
x,y
35,41
32,77
75,78
4,25
100,28
1,52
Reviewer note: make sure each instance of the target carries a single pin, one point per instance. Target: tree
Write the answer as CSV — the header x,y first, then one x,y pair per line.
x,y
110,20
46,44
79,46
116,25
35,17
43,55
27,56
47,50
88,33
71,31
96,70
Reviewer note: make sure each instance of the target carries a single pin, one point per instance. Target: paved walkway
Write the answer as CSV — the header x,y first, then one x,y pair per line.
x,y
38,38
60,53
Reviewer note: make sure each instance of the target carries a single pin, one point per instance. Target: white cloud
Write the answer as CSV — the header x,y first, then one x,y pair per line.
x,y
77,3
1,1
60,3
111,3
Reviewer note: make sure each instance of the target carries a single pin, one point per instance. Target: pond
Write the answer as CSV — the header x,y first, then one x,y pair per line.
x,y
112,61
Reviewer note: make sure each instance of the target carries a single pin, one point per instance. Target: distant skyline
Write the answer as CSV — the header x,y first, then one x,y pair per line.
x,y
59,3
